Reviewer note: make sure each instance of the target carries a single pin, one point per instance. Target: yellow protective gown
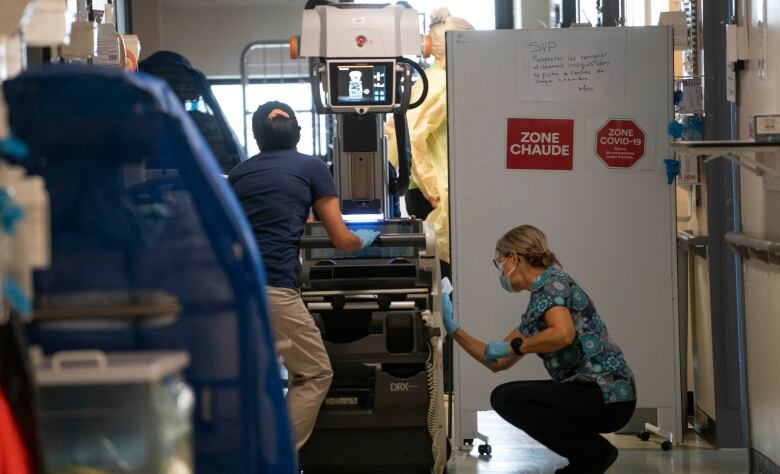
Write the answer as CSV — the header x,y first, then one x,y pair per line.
x,y
428,139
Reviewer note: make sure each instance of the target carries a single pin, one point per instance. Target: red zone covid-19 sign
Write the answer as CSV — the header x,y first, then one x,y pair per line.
x,y
540,144
620,143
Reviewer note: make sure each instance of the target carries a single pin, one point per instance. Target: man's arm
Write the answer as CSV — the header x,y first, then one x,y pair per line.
x,y
329,212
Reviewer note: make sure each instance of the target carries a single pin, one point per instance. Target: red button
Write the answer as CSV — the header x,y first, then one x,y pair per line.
x,y
361,41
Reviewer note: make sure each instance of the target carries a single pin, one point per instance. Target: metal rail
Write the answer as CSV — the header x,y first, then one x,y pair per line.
x,y
749,247
384,240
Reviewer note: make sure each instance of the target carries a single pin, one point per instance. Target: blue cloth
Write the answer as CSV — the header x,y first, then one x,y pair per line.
x,y
367,237
496,350
593,356
277,190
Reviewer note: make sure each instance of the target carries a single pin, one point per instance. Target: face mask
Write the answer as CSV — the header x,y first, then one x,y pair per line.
x,y
504,279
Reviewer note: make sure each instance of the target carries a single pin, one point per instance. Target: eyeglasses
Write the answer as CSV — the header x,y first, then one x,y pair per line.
x,y
498,263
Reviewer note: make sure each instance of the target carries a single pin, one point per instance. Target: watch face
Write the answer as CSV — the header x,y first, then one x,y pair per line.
x,y
516,343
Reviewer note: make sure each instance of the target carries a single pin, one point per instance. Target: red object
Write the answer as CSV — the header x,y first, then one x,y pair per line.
x,y
361,41
14,458
620,143
539,144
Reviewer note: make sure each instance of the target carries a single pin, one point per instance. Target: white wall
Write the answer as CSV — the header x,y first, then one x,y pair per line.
x,y
145,22
761,218
212,37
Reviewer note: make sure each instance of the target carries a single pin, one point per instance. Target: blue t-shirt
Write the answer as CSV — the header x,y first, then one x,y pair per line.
x,y
277,190
593,356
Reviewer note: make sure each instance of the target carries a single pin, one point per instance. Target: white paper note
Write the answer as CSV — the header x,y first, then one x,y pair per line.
x,y
573,66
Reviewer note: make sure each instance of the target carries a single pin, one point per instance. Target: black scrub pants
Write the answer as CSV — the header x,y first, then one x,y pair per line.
x,y
565,417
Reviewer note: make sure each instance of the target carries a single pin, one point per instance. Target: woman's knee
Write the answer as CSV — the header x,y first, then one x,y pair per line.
x,y
498,397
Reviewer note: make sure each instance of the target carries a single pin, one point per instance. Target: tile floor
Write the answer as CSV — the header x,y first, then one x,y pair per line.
x,y
515,453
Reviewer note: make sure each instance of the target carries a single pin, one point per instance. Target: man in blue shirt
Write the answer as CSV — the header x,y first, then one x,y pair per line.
x,y
277,189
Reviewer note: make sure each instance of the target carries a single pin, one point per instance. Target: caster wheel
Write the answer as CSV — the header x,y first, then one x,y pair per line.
x,y
485,449
644,436
468,441
666,445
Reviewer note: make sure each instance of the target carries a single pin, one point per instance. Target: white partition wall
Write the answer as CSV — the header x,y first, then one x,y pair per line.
x,y
592,179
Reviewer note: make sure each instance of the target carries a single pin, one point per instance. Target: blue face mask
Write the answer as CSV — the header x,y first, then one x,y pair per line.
x,y
504,279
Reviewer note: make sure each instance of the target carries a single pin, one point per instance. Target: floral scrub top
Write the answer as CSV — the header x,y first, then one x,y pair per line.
x,y
592,357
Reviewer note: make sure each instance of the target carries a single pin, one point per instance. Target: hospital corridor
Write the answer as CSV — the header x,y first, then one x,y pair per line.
x,y
389,236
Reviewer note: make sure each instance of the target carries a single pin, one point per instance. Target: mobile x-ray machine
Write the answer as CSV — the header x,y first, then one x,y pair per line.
x,y
379,309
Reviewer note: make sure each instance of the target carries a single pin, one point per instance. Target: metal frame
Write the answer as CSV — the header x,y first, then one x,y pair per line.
x,y
302,73
741,153
748,247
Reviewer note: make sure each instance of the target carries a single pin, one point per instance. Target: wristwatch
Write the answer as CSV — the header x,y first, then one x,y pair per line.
x,y
516,344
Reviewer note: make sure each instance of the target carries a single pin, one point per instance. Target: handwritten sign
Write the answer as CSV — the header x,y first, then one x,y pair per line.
x,y
587,65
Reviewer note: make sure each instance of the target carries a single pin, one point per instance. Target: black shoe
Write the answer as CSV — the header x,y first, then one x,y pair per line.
x,y
600,467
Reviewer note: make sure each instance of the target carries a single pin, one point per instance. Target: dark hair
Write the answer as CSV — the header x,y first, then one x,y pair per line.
x,y
278,133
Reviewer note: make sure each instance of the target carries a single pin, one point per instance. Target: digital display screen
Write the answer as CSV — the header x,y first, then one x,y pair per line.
x,y
361,83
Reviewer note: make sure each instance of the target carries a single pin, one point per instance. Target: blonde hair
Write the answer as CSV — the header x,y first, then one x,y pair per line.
x,y
441,22
530,243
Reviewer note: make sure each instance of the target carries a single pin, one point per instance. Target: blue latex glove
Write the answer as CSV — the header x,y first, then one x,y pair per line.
x,y
10,213
446,313
497,350
367,236
672,170
13,147
15,296
675,129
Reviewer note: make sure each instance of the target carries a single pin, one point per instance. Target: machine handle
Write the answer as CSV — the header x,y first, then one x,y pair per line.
x,y
316,94
407,80
384,240
407,85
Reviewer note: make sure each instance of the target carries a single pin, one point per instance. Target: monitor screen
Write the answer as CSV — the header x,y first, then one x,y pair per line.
x,y
356,84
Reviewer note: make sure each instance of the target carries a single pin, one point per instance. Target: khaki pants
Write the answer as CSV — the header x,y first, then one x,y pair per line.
x,y
308,365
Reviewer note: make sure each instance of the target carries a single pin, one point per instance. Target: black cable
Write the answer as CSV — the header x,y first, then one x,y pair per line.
x,y
402,140
403,145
